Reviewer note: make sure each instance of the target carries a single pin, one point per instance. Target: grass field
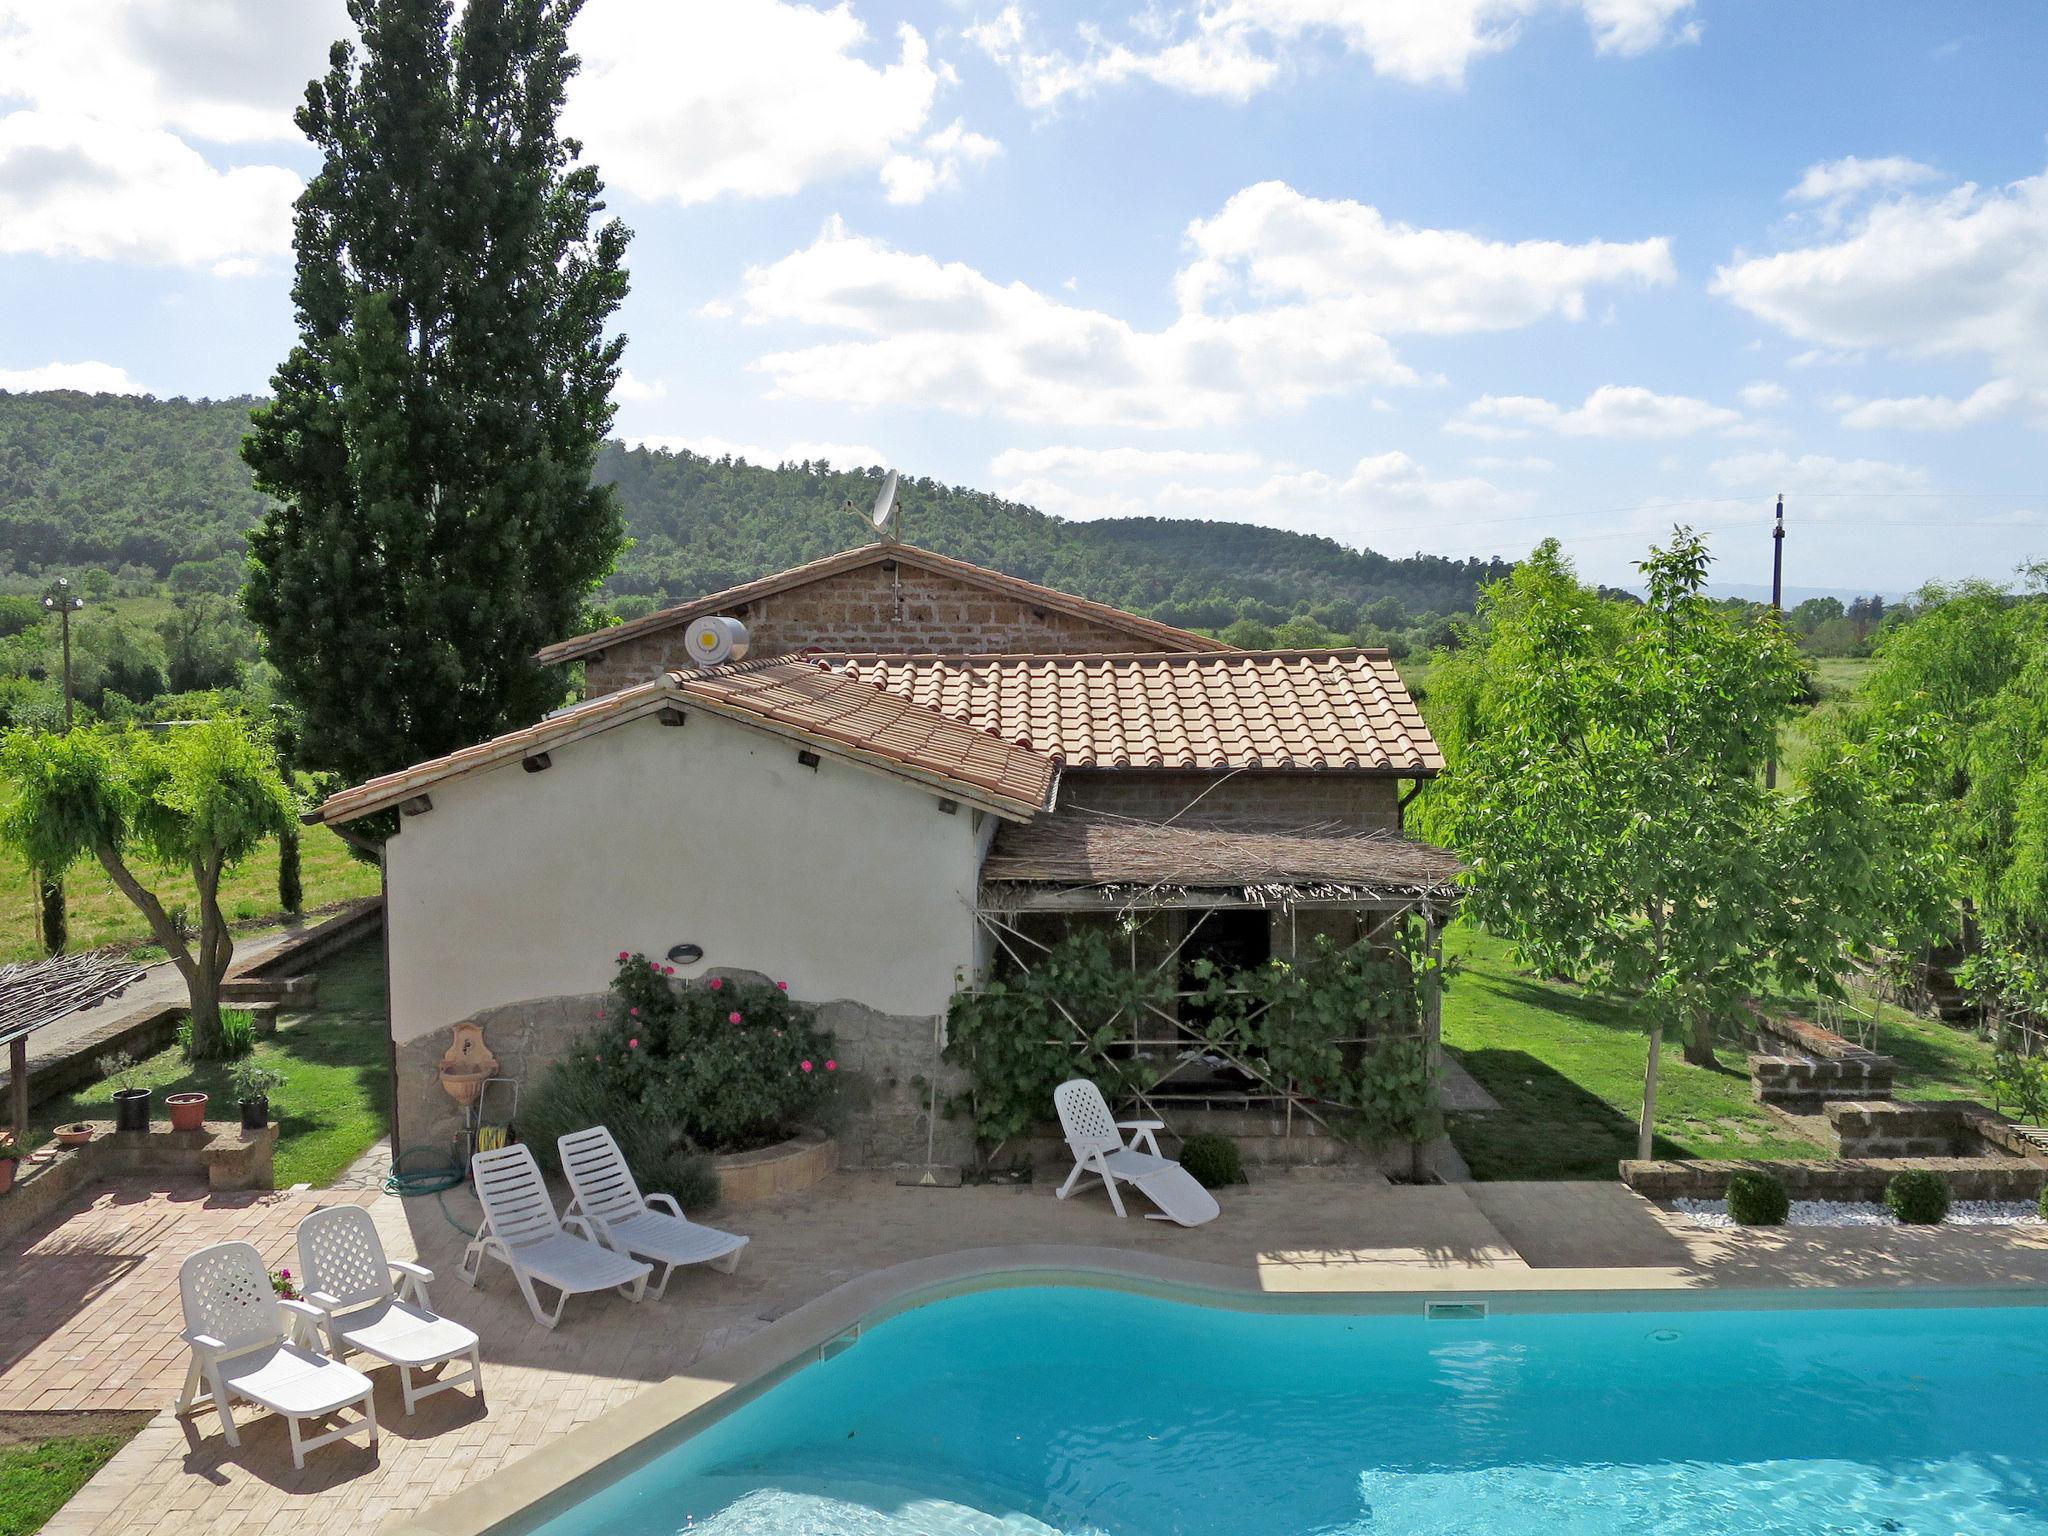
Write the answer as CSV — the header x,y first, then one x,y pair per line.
x,y
38,1477
100,914
1568,1072
335,1099
1838,678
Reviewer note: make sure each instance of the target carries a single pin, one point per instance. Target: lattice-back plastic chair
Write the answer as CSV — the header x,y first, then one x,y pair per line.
x,y
235,1324
620,1217
521,1228
1095,1137
349,1279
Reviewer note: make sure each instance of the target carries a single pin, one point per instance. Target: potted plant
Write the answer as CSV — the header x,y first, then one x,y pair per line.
x,y
9,1152
188,1110
253,1082
131,1104
76,1134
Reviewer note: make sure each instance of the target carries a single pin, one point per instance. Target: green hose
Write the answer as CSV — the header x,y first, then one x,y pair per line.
x,y
436,1176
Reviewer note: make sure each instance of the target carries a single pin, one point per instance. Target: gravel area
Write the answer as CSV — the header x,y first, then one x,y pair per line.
x,y
1862,1213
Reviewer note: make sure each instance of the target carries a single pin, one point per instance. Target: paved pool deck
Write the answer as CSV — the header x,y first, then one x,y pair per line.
x,y
88,1313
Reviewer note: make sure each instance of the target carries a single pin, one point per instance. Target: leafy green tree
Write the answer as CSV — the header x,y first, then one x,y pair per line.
x,y
198,800
1606,793
434,430
207,643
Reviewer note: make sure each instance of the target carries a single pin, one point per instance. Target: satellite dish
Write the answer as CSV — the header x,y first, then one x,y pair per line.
x,y
713,641
887,516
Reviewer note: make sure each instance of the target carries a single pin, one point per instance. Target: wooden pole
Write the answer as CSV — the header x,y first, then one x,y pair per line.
x,y
17,1090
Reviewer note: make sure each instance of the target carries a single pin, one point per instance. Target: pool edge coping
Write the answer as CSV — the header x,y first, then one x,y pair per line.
x,y
538,1486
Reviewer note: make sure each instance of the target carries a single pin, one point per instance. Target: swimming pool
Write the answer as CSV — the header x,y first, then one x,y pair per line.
x,y
1023,1411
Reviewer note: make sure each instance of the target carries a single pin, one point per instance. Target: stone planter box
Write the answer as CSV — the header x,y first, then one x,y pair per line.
x,y
230,1157
745,1178
1841,1178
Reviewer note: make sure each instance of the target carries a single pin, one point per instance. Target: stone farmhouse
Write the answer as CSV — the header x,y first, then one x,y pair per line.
x,y
920,774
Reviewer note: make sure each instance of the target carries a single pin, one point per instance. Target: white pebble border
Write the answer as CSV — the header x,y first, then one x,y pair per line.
x,y
1867,1213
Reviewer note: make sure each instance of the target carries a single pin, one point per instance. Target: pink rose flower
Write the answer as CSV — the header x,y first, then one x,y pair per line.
x,y
782,986
806,1066
624,956
733,1017
633,1045
635,1012
831,1066
668,970
717,982
597,1058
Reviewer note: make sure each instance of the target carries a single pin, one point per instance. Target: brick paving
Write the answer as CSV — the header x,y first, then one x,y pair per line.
x,y
89,1313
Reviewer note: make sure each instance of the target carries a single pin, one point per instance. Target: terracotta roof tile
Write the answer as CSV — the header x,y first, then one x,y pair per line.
x,y
1346,709
837,712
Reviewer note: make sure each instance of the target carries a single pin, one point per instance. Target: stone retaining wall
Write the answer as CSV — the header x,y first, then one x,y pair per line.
x,y
1819,1068
230,1157
1888,1129
1968,1178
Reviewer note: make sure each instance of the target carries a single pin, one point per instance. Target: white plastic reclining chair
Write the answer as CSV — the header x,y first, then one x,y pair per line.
x,y
1097,1142
349,1279
521,1227
235,1324
607,1196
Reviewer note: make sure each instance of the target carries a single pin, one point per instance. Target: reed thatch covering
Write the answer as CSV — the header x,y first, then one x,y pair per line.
x,y
35,994
1263,860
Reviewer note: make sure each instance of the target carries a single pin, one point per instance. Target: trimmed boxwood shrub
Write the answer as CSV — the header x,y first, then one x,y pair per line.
x,y
2044,1204
1917,1197
1758,1200
1214,1160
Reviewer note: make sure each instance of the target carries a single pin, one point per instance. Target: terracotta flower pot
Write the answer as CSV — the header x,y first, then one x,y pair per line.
x,y
188,1111
74,1135
6,1174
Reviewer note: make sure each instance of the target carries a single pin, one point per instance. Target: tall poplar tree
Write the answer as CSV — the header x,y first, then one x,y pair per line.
x,y
432,435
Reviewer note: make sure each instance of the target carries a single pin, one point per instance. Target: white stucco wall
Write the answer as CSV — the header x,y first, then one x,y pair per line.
x,y
840,881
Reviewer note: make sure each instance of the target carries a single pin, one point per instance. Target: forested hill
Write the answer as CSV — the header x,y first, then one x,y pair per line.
x,y
113,482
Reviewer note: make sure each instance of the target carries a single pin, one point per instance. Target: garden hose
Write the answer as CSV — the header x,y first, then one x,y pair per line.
x,y
433,1174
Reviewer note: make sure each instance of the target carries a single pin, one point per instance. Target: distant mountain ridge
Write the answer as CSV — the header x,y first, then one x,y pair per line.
x,y
113,481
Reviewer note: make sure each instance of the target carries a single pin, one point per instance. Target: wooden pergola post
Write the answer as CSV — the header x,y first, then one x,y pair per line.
x,y
17,1087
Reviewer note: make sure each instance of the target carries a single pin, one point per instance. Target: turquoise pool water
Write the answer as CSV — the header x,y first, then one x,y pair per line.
x,y
1021,1412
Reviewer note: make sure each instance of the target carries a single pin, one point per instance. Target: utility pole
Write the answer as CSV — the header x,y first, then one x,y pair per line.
x,y
1777,611
60,600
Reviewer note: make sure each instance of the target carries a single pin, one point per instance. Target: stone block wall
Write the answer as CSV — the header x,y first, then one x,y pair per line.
x,y
1803,1085
879,1118
874,608
1968,1178
1886,1129
1361,801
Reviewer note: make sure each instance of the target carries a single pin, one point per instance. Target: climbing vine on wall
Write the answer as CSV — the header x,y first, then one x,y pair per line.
x,y
1340,1025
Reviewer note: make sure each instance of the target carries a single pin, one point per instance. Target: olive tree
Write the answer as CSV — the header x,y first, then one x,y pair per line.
x,y
197,800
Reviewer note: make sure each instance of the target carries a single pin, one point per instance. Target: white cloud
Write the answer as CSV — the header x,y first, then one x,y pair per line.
x,y
85,187
1355,506
631,387
715,309
1119,463
1611,411
1933,413
1820,488
1236,48
227,71
911,178
751,99
839,455
1956,273
1529,462
1288,299
88,378
1271,240
1832,181
1764,395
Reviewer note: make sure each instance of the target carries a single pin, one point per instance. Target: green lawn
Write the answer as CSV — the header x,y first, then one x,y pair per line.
x,y
39,1477
335,1099
102,915
1568,1072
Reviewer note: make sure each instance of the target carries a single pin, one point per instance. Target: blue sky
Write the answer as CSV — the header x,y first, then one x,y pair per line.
x,y
1418,274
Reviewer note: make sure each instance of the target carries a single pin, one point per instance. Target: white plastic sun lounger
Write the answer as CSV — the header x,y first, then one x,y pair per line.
x,y
521,1227
349,1280
235,1324
607,1196
1097,1142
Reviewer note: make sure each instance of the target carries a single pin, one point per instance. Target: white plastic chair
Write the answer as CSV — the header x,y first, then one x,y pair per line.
x,y
235,1324
621,1217
521,1227
349,1279
1096,1140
